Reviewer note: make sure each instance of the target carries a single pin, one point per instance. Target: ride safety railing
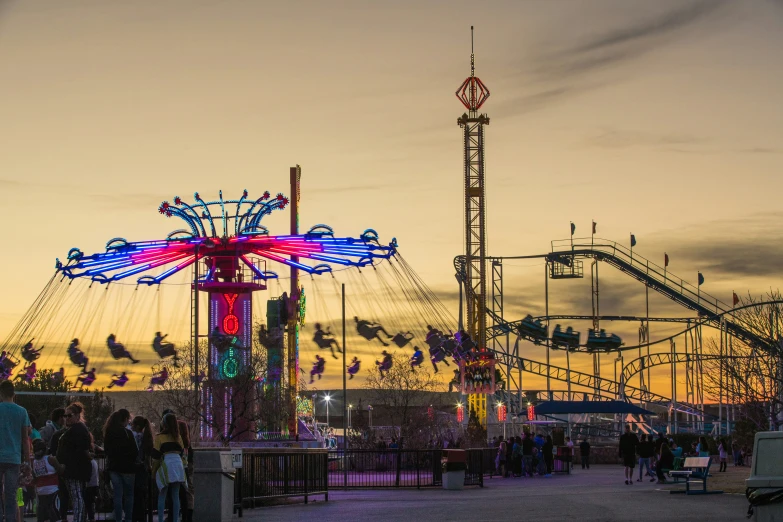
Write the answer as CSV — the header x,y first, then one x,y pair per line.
x,y
657,277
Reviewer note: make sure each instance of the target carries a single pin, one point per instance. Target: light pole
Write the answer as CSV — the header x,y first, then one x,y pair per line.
x,y
369,409
315,419
327,398
350,410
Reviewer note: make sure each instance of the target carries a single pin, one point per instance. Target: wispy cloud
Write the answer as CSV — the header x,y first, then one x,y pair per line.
x,y
578,68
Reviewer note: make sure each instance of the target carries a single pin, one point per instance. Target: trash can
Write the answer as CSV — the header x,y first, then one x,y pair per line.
x,y
454,464
765,485
213,480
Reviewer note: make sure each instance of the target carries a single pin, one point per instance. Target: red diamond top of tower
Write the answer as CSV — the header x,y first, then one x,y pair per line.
x,y
472,93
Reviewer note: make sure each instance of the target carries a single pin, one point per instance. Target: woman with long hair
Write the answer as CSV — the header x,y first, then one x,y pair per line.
x,y
168,467
665,461
73,452
142,432
121,451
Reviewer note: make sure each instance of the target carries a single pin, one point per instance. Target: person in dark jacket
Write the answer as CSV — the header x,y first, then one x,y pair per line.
x,y
549,458
527,454
73,452
121,452
628,443
665,461
645,450
584,453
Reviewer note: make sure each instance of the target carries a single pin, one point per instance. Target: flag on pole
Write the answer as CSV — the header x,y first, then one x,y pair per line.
x,y
736,299
633,241
594,225
573,228
665,260
701,279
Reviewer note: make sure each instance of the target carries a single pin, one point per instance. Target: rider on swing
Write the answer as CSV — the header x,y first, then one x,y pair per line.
x,y
29,353
386,364
28,373
164,349
325,339
118,380
159,379
417,358
353,368
318,368
77,356
118,350
86,378
58,377
370,330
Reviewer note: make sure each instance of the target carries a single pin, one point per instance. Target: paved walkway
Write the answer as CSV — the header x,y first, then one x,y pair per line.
x,y
595,495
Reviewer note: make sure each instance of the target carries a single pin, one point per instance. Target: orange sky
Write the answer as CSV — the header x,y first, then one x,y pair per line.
x,y
660,119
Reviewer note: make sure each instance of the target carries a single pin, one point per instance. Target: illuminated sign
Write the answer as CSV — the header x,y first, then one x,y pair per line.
x,y
230,316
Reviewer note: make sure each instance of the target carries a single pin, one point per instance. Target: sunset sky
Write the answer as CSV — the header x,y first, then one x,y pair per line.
x,y
662,119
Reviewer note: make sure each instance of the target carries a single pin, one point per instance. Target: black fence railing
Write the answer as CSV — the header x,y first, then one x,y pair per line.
x,y
278,473
400,468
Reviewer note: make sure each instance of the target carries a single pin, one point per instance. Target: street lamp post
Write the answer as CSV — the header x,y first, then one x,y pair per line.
x,y
327,399
369,409
350,410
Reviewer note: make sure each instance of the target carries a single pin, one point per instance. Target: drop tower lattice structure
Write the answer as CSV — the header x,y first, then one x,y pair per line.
x,y
473,93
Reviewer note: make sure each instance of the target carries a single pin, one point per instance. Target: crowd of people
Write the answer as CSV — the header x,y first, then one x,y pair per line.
x,y
55,470
656,457
525,456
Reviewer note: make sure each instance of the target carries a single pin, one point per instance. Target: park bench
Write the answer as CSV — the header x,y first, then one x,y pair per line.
x,y
676,466
695,470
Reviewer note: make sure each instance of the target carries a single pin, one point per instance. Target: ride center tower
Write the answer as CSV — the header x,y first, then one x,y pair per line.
x,y
473,93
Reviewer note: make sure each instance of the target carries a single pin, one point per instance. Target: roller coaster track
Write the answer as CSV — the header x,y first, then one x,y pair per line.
x,y
599,384
658,278
656,359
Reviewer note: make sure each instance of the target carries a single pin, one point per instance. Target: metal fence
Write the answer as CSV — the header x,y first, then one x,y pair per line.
x,y
400,468
279,473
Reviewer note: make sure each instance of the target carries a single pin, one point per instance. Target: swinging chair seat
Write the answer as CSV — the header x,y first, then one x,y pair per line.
x,y
9,362
87,381
31,356
165,350
158,381
402,339
118,351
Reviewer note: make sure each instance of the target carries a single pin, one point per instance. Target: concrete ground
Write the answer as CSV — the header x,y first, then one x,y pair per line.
x,y
595,495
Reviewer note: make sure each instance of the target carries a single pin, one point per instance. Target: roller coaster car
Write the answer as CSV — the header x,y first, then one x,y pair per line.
x,y
532,328
568,338
601,341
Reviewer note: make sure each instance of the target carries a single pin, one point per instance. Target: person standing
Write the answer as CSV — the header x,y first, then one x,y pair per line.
x,y
627,451
723,454
73,451
584,453
527,454
121,452
665,461
45,470
14,447
143,435
167,467
645,450
549,458
500,459
53,425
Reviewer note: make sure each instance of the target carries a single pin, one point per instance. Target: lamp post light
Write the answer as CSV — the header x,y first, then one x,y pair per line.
x,y
369,409
327,398
315,419
350,410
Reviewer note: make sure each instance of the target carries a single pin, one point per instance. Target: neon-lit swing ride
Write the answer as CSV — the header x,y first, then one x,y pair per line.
x,y
227,249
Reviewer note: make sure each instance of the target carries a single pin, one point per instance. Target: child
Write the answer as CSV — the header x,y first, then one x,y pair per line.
x,y
45,470
91,490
